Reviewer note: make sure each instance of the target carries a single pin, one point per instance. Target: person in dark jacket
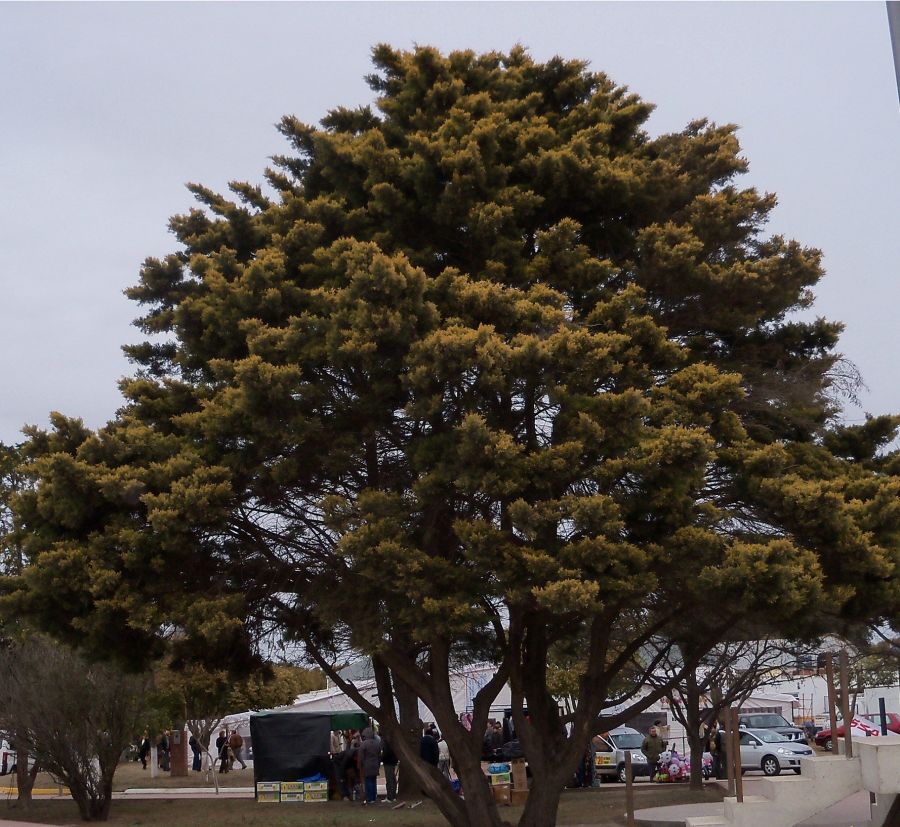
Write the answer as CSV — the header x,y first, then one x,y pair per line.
x,y
389,759
717,750
428,748
653,746
144,751
163,747
197,751
222,751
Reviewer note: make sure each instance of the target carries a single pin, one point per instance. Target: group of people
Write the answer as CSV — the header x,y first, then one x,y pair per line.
x,y
653,746
357,758
229,748
163,750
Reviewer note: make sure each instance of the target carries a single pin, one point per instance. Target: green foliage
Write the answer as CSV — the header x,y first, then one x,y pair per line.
x,y
488,370
196,692
12,481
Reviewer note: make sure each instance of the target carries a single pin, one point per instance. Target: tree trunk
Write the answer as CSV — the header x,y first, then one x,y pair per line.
x,y
542,806
408,707
24,778
480,808
692,721
82,801
696,746
99,807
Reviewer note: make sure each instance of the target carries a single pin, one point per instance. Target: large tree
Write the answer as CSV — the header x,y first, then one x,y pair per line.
x,y
482,372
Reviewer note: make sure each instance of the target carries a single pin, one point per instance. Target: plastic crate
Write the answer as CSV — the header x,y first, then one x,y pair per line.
x,y
310,796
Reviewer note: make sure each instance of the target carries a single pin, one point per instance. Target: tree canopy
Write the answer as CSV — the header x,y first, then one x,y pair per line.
x,y
479,371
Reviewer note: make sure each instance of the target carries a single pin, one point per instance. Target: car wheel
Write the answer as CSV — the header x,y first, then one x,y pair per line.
x,y
622,776
797,770
827,745
770,765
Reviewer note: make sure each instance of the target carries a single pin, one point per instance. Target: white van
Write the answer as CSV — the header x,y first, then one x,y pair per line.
x,y
609,750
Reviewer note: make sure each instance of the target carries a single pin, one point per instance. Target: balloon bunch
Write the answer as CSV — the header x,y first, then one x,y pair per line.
x,y
672,767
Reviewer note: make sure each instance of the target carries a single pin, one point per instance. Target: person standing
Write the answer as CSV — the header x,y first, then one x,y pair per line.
x,y
337,743
236,745
370,763
496,742
653,746
428,748
164,751
389,760
443,758
197,752
717,750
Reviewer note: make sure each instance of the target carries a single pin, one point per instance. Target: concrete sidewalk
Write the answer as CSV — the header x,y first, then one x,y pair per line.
x,y
24,824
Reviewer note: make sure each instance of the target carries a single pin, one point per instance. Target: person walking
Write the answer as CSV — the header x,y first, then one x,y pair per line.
x,y
389,760
222,751
236,744
370,763
144,751
653,746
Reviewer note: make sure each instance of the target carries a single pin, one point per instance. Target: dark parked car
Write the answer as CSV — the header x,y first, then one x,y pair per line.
x,y
767,720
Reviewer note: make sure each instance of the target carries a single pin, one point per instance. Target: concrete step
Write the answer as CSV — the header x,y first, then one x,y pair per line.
x,y
785,801
706,821
830,767
782,786
752,812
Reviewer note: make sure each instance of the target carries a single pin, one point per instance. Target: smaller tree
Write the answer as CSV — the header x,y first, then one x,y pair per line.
x,y
75,717
201,696
727,675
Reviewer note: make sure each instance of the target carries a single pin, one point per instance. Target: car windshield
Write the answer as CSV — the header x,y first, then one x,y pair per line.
x,y
769,720
627,741
768,736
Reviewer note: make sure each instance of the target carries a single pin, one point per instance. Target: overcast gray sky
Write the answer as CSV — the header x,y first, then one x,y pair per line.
x,y
107,110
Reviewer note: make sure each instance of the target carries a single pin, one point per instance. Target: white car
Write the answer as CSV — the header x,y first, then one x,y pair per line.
x,y
771,752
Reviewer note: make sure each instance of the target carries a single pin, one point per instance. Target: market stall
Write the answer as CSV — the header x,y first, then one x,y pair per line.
x,y
291,746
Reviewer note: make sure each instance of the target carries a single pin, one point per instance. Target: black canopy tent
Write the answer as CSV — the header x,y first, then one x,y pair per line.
x,y
290,746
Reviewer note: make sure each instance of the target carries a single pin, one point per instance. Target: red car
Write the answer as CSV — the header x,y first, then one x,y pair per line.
x,y
893,721
863,727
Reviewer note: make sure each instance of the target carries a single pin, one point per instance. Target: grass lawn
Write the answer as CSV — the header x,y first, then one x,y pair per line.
x,y
602,807
131,775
